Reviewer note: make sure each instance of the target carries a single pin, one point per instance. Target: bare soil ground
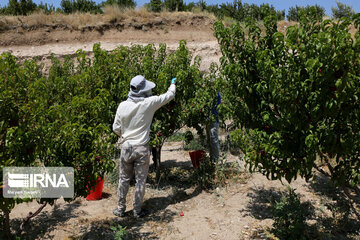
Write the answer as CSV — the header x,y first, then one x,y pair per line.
x,y
239,210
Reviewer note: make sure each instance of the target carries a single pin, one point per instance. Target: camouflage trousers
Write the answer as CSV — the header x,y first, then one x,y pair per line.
x,y
133,159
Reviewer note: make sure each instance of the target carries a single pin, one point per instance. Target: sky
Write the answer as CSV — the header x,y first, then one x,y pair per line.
x,y
278,4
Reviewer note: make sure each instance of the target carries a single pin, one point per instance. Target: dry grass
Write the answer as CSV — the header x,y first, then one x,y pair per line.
x,y
84,19
39,19
139,13
187,14
77,20
114,13
2,24
7,21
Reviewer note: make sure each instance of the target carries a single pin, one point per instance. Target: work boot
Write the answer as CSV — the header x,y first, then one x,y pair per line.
x,y
118,212
142,213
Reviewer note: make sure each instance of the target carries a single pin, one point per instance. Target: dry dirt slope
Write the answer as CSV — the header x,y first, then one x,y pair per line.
x,y
27,40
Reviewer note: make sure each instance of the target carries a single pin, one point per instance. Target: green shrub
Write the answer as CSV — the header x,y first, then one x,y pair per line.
x,y
47,9
156,5
177,137
72,6
213,174
120,232
225,171
239,11
174,5
289,217
188,136
120,3
195,144
295,96
189,7
295,13
22,7
201,4
342,10
204,175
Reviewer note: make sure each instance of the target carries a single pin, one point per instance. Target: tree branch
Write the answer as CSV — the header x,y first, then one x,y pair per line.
x,y
322,171
31,215
326,159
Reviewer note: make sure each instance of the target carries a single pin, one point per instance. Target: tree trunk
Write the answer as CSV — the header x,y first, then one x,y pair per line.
x,y
156,152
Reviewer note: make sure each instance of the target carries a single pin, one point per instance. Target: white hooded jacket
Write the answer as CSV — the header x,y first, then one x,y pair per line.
x,y
133,118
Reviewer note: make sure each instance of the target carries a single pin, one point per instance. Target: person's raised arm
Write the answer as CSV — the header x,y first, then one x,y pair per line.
x,y
159,101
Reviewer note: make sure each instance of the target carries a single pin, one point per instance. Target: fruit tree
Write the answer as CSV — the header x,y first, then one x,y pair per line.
x,y
295,96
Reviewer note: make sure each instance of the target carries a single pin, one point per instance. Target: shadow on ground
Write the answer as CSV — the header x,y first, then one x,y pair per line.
x,y
176,164
342,223
333,220
45,222
173,175
260,205
127,228
176,180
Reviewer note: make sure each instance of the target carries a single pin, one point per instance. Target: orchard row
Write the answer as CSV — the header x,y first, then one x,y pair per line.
x,y
293,98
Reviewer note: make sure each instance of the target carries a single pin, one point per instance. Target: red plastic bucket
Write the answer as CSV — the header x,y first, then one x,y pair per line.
x,y
196,156
96,194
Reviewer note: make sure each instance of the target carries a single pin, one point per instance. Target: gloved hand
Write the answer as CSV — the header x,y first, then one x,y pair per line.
x,y
173,81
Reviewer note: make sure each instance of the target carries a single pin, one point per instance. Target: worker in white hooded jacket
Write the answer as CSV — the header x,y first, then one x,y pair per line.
x,y
132,124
